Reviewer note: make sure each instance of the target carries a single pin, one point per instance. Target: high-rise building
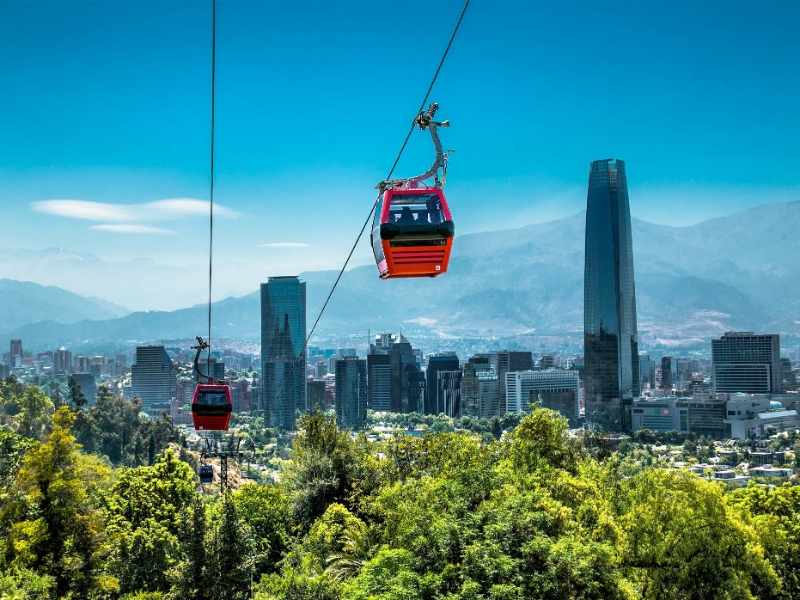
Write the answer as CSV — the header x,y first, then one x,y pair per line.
x,y
666,372
317,398
406,381
379,370
610,339
555,389
747,362
283,359
351,392
81,364
88,386
788,376
434,399
154,378
240,395
62,361
16,349
448,392
476,401
647,372
507,362
184,391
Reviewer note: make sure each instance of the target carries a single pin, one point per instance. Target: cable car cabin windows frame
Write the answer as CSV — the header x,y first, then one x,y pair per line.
x,y
211,407
415,235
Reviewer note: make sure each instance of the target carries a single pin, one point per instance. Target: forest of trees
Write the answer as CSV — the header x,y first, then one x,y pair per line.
x,y
96,503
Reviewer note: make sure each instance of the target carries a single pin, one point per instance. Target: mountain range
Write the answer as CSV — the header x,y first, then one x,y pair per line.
x,y
740,272
24,302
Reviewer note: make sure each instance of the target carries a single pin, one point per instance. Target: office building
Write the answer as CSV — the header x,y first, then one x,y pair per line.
x,y
16,349
81,364
747,362
154,378
445,361
283,358
351,392
508,361
240,395
647,372
448,392
555,389
379,382
660,414
750,415
470,390
406,381
62,361
184,391
545,362
416,390
788,376
317,398
611,349
666,372
88,387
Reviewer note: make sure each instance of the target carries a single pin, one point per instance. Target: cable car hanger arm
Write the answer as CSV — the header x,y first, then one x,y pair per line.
x,y
201,345
425,121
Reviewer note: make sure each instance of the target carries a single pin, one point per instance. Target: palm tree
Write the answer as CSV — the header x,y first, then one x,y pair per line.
x,y
359,545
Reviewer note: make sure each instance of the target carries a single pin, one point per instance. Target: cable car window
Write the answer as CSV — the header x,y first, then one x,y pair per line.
x,y
376,221
212,399
416,209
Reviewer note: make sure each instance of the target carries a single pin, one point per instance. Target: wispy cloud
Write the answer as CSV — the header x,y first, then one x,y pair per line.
x,y
160,210
130,228
285,245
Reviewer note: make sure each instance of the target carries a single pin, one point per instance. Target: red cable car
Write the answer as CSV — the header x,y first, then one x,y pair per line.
x,y
412,233
211,405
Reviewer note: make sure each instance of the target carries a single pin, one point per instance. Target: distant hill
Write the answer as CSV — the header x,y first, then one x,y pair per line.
x,y
692,283
24,302
121,281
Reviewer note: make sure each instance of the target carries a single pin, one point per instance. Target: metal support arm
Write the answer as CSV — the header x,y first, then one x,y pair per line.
x,y
201,345
425,121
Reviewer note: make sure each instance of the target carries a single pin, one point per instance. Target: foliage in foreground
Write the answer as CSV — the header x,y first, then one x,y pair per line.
x,y
448,516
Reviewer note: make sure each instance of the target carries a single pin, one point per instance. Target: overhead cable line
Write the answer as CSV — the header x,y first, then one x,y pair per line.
x,y
211,194
374,204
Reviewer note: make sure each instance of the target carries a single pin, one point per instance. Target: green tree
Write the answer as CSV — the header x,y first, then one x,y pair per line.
x,y
76,395
34,412
229,571
322,467
682,541
190,581
54,525
161,492
265,510
359,543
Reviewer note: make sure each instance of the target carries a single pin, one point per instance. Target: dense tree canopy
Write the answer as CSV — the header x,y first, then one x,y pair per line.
x,y
533,513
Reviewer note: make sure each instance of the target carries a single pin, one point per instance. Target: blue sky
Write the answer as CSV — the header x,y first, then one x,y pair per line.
x,y
108,102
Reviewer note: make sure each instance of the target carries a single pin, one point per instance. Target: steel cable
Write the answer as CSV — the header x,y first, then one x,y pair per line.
x,y
211,194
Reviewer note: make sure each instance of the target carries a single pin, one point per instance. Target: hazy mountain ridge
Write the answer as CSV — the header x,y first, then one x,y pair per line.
x,y
24,302
692,283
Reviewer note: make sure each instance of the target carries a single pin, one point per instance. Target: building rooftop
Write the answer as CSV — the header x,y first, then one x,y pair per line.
x,y
778,414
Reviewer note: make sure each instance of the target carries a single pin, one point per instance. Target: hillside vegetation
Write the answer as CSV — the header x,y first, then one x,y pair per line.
x,y
448,516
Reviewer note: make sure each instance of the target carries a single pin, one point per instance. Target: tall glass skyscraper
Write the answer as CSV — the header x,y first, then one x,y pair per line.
x,y
283,333
609,319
